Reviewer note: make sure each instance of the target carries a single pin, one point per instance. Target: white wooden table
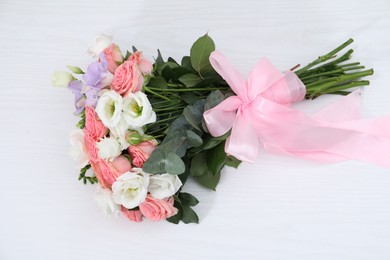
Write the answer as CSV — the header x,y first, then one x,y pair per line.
x,y
277,208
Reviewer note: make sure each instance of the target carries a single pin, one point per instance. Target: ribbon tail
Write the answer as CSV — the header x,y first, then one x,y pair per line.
x,y
344,109
288,131
243,142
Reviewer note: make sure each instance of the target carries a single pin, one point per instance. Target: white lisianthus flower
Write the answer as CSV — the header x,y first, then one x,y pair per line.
x,y
137,110
131,188
119,132
105,202
101,42
78,151
61,78
109,148
164,185
109,108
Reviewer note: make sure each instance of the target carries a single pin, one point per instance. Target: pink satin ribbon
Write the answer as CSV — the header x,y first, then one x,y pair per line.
x,y
260,115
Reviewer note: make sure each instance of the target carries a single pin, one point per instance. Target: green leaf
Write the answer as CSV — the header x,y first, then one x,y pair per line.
x,y
232,161
158,82
186,63
199,164
216,158
134,48
190,80
81,123
159,59
175,219
200,53
86,179
166,70
75,69
185,213
189,215
178,72
209,180
127,56
188,199
212,142
170,59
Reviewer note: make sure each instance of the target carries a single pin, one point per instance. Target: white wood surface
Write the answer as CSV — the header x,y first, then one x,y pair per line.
x,y
277,208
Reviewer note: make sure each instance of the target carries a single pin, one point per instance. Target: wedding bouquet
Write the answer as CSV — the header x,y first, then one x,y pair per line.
x,y
146,127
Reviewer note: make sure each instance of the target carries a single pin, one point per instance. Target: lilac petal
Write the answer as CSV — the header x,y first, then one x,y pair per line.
x,y
92,97
103,61
93,75
76,86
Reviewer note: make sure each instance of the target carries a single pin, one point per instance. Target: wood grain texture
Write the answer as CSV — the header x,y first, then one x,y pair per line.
x,y
277,208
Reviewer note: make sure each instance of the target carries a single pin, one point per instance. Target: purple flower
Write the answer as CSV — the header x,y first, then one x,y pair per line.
x,y
95,79
96,73
76,87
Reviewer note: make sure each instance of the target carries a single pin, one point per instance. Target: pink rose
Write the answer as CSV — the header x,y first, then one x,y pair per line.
x,y
90,145
121,164
113,56
140,153
144,65
133,215
96,169
156,209
105,172
94,127
128,78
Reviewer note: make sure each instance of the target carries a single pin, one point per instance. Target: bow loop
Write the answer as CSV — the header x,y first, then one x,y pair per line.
x,y
260,114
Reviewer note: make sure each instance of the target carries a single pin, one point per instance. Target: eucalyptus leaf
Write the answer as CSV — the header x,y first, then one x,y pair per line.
x,y
161,162
176,144
213,99
200,53
193,139
155,164
173,164
194,113
190,98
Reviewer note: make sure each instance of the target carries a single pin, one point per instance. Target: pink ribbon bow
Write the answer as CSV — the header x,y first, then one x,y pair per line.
x,y
260,115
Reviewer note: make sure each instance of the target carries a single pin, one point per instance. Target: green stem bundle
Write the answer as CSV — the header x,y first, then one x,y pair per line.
x,y
322,77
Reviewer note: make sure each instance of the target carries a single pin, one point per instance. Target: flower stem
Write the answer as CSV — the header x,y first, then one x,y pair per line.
x,y
324,57
149,90
186,89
